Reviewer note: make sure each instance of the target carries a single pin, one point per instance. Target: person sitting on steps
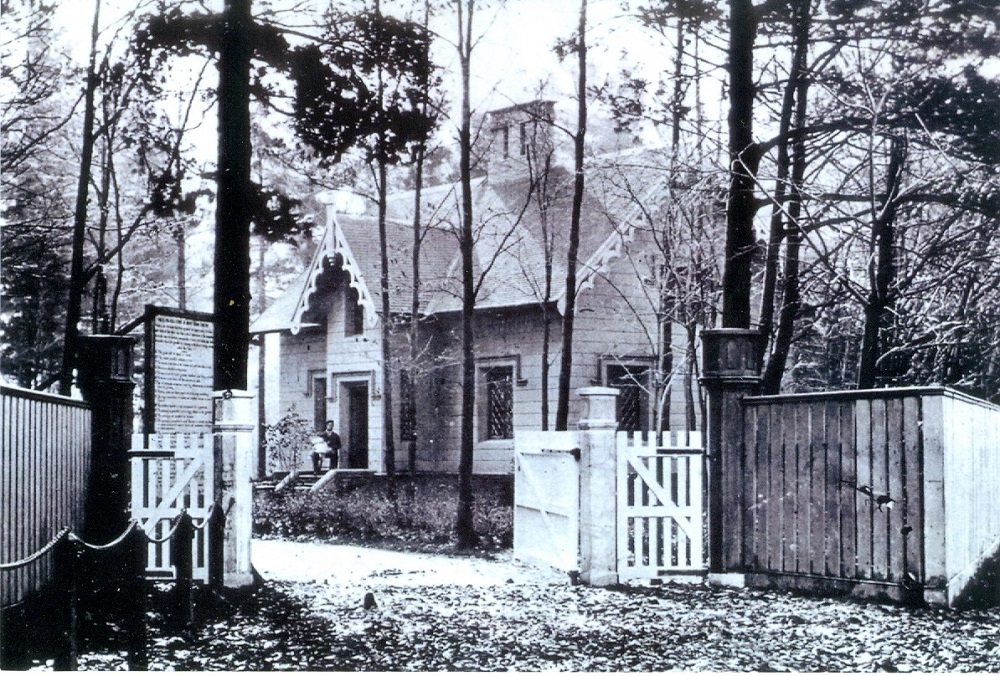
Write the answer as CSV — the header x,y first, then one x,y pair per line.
x,y
332,440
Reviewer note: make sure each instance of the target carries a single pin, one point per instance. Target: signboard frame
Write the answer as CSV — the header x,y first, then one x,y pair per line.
x,y
152,348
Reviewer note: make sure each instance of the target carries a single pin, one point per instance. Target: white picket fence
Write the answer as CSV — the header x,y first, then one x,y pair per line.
x,y
660,505
171,472
659,495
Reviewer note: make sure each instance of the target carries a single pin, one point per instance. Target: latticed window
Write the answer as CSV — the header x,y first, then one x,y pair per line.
x,y
499,402
632,405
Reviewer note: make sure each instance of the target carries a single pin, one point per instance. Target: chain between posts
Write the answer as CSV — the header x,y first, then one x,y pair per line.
x,y
68,533
31,558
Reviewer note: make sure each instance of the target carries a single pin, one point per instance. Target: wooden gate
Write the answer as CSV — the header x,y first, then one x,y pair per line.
x,y
547,498
660,517
171,472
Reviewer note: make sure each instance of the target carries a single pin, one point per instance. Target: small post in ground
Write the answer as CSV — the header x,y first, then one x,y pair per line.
x,y
180,546
67,563
136,546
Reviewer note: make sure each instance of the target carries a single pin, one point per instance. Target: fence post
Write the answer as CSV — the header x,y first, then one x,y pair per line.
x,y
183,610
66,565
135,557
216,536
232,427
598,500
105,380
730,372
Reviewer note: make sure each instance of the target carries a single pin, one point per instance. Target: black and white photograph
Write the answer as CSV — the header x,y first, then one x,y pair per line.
x,y
500,335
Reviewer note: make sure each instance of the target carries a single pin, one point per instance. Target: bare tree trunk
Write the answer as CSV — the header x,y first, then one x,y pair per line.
x,y
232,215
77,282
388,430
882,269
791,297
180,238
689,384
566,364
382,185
743,158
411,403
464,531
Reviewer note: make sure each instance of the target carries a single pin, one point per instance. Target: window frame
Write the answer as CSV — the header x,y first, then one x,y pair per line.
x,y
632,368
483,399
354,313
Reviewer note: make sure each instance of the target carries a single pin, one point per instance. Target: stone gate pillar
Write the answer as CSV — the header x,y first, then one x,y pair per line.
x,y
730,372
233,423
598,499
105,380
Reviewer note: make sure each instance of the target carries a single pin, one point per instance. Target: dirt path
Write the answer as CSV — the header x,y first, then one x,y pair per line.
x,y
281,560
442,613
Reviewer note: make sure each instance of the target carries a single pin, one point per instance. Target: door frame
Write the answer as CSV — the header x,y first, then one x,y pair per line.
x,y
348,389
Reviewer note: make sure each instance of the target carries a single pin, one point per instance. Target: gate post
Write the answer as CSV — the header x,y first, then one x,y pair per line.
x,y
598,499
105,380
232,428
730,368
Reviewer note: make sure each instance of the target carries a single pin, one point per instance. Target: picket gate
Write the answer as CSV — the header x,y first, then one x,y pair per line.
x,y
547,498
660,504
171,472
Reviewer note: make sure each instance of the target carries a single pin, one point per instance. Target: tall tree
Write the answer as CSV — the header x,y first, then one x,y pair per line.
x,y
231,303
77,282
34,112
743,163
464,528
579,184
381,64
787,204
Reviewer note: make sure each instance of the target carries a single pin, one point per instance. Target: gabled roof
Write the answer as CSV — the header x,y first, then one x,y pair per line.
x,y
510,249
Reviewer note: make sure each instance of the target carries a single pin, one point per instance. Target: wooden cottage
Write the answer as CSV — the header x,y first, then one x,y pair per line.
x,y
328,321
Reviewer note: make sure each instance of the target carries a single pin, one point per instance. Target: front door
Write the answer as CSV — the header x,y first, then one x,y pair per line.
x,y
357,425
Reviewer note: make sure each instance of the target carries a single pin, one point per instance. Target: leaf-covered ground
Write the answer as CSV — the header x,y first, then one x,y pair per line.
x,y
422,621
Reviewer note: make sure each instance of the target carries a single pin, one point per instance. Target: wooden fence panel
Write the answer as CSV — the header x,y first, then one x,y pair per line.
x,y
660,505
894,489
911,523
776,482
835,486
44,466
863,480
547,498
171,472
829,518
971,483
847,494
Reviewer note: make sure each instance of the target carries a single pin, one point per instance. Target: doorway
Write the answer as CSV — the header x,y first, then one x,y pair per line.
x,y
356,418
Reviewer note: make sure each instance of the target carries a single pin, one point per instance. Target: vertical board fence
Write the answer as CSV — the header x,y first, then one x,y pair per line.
x,y
44,468
879,493
170,473
660,504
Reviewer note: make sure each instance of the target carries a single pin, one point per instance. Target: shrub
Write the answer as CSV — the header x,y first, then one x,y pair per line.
x,y
286,441
421,516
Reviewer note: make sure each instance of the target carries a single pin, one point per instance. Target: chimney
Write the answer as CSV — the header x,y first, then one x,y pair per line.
x,y
520,140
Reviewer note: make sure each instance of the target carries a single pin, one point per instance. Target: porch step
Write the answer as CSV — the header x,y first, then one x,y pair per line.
x,y
342,479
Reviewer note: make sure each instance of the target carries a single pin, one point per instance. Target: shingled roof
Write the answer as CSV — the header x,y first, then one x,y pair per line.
x,y
510,242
